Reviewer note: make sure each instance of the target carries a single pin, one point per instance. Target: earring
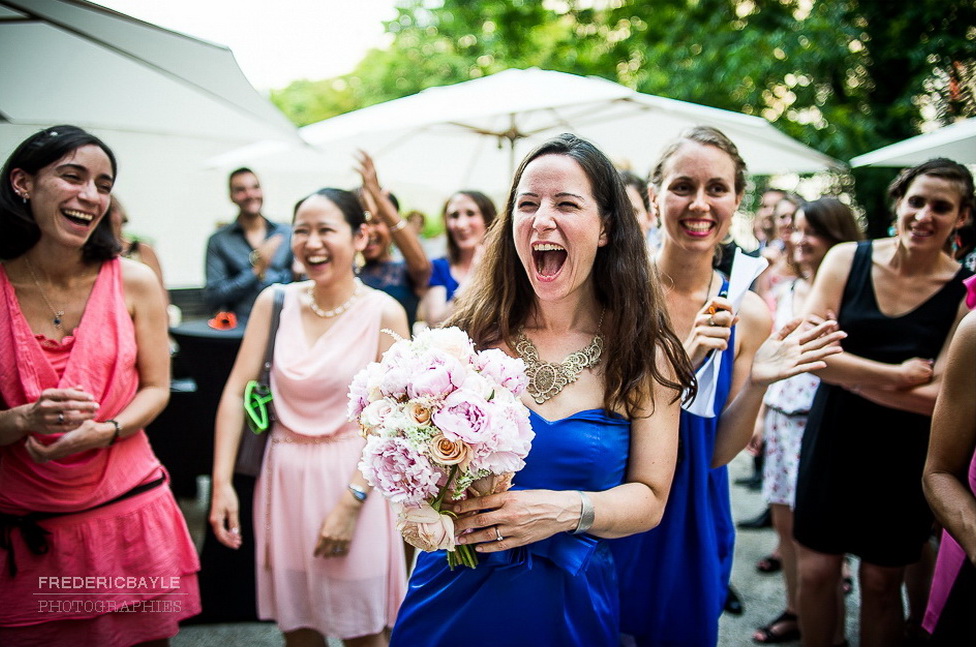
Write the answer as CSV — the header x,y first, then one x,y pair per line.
x,y
359,261
25,197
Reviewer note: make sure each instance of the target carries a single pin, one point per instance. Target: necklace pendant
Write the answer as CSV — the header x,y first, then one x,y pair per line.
x,y
58,318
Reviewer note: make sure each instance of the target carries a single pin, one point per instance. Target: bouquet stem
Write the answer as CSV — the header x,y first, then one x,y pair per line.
x,y
462,555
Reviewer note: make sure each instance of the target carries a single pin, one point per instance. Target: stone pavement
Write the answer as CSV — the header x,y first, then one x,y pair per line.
x,y
762,594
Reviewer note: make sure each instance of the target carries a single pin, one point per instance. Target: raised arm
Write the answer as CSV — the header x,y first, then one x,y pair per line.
x,y
953,441
418,266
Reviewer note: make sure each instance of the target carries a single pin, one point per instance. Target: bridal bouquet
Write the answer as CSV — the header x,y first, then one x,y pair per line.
x,y
442,422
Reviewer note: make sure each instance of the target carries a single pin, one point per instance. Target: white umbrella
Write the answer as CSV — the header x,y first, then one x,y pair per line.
x,y
163,101
956,141
471,135
67,61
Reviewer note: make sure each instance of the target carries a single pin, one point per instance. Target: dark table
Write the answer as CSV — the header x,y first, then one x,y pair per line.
x,y
183,437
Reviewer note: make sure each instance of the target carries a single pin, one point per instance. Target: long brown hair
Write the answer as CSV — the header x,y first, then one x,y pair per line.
x,y
637,326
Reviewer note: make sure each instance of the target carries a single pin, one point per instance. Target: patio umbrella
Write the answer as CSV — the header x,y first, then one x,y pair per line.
x,y
163,101
956,141
67,61
472,134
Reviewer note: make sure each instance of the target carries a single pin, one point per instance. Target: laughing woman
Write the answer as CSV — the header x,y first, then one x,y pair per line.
x,y
674,579
84,367
565,275
329,558
859,486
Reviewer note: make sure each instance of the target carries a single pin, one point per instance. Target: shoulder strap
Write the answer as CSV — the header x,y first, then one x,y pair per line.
x,y
279,299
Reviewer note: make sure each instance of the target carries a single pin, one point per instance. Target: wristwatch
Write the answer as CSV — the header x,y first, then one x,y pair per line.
x,y
358,492
254,257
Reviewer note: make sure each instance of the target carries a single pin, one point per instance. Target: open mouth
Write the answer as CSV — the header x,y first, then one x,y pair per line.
x,y
698,227
316,260
78,217
548,259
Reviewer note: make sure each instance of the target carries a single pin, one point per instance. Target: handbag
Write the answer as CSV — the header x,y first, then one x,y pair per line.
x,y
258,412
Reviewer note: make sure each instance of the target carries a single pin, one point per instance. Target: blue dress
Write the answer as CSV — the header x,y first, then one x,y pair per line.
x,y
441,275
558,591
674,578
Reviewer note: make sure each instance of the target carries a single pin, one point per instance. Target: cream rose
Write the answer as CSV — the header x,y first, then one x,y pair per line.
x,y
426,528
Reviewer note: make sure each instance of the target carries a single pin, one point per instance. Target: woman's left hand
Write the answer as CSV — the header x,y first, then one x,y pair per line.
x,y
337,530
88,435
795,349
515,518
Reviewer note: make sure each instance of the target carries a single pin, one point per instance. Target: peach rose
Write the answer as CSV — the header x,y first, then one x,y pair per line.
x,y
426,528
450,452
419,412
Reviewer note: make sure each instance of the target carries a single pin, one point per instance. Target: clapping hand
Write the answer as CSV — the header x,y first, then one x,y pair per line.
x,y
795,349
88,435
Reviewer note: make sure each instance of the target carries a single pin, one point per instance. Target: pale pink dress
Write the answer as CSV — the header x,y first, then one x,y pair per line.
x,y
313,453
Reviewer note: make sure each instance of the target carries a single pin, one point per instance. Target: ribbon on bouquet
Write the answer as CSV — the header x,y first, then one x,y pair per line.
x,y
745,269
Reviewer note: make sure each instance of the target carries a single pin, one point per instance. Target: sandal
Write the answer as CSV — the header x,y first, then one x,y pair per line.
x,y
768,635
769,564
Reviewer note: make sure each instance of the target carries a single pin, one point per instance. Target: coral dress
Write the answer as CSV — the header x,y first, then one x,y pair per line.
x,y
114,574
558,591
313,452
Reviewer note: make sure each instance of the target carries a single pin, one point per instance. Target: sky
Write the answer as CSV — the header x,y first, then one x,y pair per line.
x,y
275,41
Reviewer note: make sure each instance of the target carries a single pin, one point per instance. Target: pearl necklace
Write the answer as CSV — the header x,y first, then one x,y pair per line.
x,y
58,314
547,379
335,312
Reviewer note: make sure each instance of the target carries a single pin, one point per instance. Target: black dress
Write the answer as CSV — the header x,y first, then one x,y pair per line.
x,y
859,486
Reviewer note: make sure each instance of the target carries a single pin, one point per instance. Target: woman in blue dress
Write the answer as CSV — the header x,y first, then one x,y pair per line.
x,y
674,579
564,275
467,215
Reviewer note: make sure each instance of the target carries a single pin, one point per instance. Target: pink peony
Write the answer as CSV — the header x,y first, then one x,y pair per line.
x,y
398,471
437,378
453,341
426,528
508,372
464,416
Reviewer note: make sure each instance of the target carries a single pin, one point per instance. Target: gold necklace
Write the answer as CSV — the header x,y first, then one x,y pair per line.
x,y
58,314
547,379
335,312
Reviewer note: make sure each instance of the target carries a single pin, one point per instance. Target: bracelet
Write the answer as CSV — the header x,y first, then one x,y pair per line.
x,y
401,223
118,432
358,492
587,514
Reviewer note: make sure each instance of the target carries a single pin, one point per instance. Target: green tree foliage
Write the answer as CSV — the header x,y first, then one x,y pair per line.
x,y
843,76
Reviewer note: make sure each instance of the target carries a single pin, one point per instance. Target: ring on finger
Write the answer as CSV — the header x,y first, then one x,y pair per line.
x,y
498,534
711,320
60,417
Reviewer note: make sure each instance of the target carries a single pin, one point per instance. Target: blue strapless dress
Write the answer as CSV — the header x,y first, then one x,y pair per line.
x,y
674,578
558,591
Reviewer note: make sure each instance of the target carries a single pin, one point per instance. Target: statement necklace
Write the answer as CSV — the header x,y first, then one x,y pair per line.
x,y
338,310
58,314
547,379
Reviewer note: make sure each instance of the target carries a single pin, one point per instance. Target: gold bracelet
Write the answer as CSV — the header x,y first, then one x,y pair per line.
x,y
401,223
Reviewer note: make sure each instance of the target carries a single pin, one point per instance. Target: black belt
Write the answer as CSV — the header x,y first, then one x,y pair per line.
x,y
36,537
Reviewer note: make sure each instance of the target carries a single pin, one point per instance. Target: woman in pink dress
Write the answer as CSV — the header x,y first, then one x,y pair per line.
x,y
949,481
329,558
94,549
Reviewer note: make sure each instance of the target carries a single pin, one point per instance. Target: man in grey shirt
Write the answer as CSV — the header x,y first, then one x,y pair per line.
x,y
247,255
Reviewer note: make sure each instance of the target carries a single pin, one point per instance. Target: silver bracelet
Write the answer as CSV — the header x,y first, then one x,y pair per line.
x,y
400,224
587,514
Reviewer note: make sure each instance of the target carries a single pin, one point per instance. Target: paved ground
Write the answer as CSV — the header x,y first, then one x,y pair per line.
x,y
762,594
